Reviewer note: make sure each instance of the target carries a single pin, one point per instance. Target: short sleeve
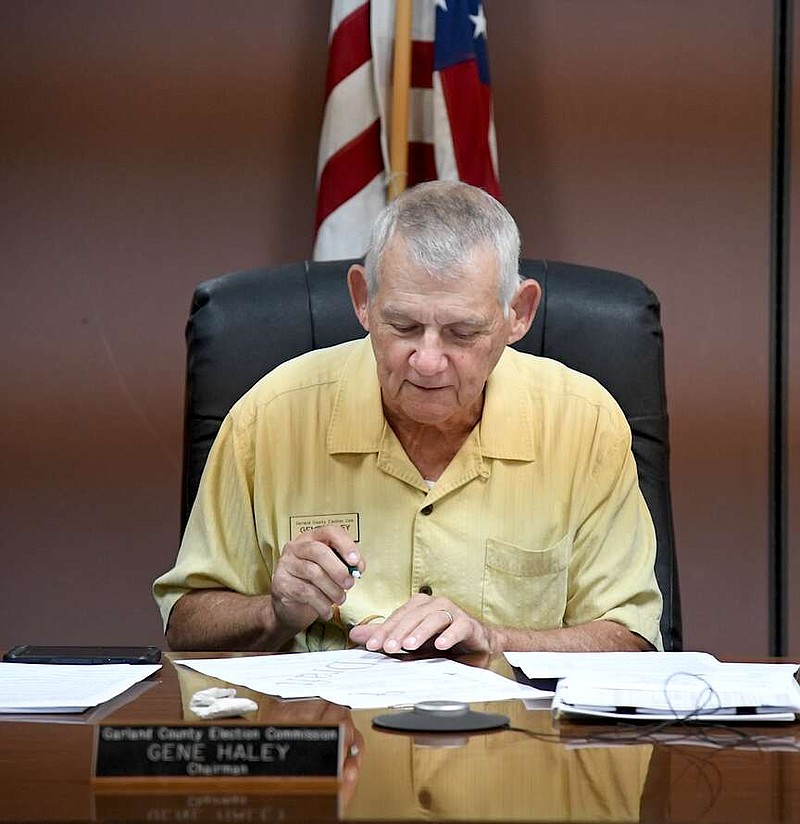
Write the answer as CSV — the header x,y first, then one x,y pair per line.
x,y
220,548
612,568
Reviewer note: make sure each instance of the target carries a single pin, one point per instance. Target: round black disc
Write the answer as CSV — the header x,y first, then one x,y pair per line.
x,y
413,721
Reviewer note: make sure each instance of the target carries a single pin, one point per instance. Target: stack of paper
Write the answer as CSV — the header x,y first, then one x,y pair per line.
x,y
658,686
64,688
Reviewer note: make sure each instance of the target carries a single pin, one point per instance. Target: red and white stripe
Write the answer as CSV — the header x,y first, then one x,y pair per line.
x,y
351,189
444,114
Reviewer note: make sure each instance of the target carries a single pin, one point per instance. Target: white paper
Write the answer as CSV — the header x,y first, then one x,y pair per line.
x,y
719,718
550,665
732,692
361,679
681,694
62,688
658,686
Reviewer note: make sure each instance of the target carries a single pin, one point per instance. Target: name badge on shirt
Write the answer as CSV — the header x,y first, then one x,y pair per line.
x,y
298,524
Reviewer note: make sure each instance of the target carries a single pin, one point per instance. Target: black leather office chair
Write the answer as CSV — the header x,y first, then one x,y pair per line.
x,y
602,323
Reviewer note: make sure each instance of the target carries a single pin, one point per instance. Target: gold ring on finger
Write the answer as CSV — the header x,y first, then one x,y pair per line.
x,y
449,615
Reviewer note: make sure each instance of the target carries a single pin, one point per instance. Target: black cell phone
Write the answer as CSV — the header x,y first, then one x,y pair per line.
x,y
33,654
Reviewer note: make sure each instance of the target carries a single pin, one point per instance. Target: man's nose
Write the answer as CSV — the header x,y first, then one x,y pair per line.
x,y
429,357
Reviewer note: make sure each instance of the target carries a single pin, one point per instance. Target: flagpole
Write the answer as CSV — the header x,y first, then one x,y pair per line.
x,y
401,82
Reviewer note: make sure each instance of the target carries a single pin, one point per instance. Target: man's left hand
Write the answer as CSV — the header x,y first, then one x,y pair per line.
x,y
425,620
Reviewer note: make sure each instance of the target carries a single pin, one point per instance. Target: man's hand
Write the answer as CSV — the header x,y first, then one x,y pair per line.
x,y
312,576
421,620
308,580
424,620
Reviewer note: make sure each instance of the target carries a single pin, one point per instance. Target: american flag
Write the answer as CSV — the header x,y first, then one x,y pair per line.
x,y
451,126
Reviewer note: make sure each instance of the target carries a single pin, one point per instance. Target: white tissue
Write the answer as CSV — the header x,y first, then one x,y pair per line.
x,y
217,702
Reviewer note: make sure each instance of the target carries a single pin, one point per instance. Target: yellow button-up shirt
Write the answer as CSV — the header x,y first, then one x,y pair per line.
x,y
538,522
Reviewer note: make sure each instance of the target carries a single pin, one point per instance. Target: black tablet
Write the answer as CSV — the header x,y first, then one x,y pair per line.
x,y
33,654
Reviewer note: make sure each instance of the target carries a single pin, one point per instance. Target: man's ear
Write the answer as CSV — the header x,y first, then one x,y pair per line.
x,y
357,285
523,309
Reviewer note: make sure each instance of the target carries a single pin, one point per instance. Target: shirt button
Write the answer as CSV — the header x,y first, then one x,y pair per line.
x,y
426,510
425,590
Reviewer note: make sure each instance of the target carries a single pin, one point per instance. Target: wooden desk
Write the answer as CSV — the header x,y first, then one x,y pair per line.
x,y
548,774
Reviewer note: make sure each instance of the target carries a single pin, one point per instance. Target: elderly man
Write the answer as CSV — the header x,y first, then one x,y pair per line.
x,y
427,486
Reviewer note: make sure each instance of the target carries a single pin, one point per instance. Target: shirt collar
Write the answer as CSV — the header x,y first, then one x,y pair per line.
x,y
507,424
357,421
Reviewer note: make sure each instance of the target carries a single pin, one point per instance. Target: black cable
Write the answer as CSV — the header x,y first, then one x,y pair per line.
x,y
688,729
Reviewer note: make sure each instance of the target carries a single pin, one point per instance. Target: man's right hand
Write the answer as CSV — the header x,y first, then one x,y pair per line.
x,y
311,576
308,580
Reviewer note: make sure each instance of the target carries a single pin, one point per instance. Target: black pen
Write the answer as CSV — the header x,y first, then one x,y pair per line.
x,y
354,571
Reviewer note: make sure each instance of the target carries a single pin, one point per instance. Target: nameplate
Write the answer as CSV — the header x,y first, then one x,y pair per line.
x,y
214,751
300,524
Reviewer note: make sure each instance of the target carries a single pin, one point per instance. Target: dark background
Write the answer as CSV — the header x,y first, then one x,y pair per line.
x,y
147,146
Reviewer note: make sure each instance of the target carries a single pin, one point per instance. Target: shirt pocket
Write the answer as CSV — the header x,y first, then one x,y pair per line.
x,y
525,588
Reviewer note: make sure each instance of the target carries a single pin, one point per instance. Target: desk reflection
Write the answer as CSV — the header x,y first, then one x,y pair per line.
x,y
504,775
510,776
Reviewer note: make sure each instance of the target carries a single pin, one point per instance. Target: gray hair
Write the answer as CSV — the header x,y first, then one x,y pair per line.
x,y
442,222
